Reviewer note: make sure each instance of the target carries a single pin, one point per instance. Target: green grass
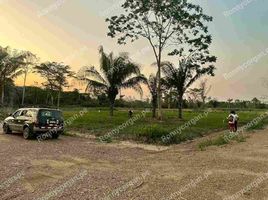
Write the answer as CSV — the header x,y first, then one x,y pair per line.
x,y
146,129
219,141
260,125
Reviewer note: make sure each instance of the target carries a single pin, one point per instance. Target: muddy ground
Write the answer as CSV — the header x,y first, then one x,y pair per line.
x,y
80,168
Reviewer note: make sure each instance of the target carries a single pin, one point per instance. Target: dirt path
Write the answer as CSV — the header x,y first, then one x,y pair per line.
x,y
79,168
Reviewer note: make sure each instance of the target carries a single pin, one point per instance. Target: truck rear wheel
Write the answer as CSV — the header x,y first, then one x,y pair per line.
x,y
55,135
27,134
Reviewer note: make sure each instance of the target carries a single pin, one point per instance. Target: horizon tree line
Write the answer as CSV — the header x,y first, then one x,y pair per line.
x,y
117,73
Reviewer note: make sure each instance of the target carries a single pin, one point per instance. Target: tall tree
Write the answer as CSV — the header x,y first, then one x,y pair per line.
x,y
194,96
56,75
10,67
117,73
229,102
29,62
201,92
204,90
256,102
163,23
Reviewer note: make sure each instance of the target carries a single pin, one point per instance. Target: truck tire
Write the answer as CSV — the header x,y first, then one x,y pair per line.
x,y
55,135
6,129
27,133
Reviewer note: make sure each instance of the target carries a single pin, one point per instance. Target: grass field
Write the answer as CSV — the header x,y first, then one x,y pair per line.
x,y
142,127
146,129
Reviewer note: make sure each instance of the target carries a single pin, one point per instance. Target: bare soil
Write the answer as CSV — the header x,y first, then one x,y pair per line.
x,y
131,171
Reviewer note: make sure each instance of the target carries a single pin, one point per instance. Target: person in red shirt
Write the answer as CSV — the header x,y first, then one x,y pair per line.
x,y
231,121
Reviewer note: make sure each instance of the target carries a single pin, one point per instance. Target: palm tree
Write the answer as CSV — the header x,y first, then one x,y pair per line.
x,y
152,85
10,67
117,73
184,76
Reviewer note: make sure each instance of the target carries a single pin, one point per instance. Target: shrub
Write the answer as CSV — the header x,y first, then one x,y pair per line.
x,y
219,141
152,133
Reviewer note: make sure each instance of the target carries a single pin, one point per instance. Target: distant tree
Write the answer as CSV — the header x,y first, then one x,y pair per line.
x,y
194,95
10,96
256,102
10,67
229,102
28,63
170,96
117,73
56,75
237,101
204,90
214,103
165,24
103,100
200,93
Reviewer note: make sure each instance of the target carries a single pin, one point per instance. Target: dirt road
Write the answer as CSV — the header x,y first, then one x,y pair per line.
x,y
78,168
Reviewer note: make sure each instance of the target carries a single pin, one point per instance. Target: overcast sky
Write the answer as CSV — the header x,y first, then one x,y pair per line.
x,y
72,30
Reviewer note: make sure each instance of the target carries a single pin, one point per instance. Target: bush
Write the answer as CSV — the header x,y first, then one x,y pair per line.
x,y
258,126
219,141
152,133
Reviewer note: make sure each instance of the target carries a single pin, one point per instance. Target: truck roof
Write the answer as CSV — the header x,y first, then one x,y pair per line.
x,y
39,109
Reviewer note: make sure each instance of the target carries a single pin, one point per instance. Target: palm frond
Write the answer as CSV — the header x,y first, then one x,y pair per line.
x,y
131,82
138,89
16,74
91,71
93,85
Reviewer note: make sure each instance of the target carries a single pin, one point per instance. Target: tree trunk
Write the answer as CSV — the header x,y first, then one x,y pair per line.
x,y
52,100
58,103
169,101
154,111
159,95
112,109
180,100
23,91
47,100
203,103
3,94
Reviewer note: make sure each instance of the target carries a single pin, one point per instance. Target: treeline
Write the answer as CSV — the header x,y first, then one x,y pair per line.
x,y
36,96
40,97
